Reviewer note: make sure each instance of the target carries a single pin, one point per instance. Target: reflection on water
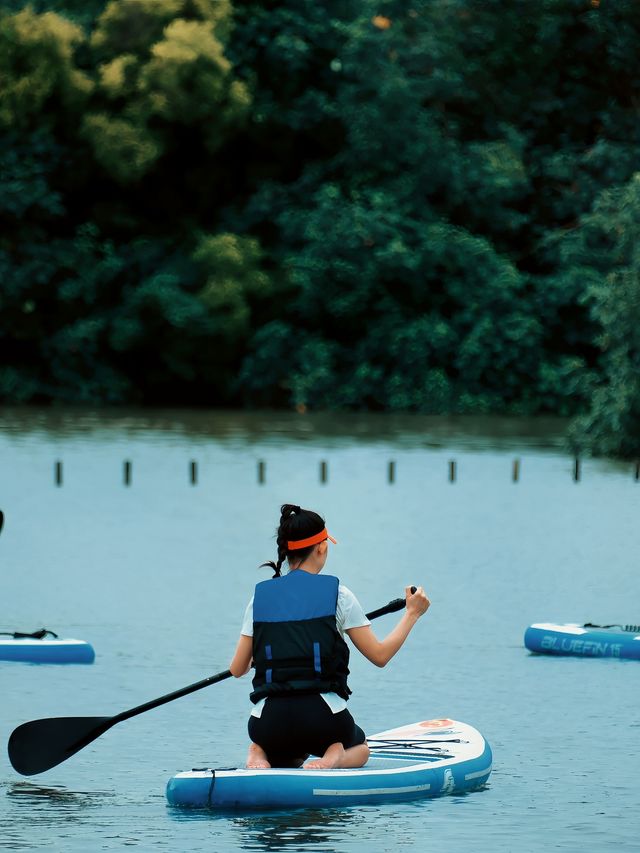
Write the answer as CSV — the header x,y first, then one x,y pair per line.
x,y
378,828
34,796
37,792
51,808
309,829
298,829
472,431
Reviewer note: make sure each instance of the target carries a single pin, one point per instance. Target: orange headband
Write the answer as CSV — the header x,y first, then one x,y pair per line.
x,y
311,540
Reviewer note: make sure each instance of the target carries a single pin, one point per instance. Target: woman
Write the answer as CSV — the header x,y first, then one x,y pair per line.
x,y
293,634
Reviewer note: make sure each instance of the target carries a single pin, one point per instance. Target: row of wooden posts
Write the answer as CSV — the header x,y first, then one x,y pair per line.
x,y
127,471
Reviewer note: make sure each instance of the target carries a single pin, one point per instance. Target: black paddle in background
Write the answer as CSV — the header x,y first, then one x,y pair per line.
x,y
1,520
39,745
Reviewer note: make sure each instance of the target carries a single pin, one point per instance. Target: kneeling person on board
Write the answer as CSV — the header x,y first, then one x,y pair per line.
x,y
293,634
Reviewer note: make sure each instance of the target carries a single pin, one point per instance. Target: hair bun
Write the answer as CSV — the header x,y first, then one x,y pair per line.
x,y
287,510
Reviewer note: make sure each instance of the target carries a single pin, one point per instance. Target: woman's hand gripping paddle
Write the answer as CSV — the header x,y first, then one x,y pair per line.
x,y
39,745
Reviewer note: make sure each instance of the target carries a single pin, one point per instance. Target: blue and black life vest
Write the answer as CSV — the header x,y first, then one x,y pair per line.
x,y
297,647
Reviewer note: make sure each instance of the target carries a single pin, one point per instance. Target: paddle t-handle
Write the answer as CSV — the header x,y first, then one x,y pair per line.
x,y
39,745
391,607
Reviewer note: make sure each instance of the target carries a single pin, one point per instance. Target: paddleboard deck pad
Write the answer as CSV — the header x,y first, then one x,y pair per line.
x,y
582,640
425,759
30,650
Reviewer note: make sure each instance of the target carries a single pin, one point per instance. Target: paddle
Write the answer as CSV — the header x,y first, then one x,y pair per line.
x,y
1,520
39,745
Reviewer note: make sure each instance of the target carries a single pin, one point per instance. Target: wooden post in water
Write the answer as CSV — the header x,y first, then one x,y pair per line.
x,y
58,473
391,473
127,473
261,471
193,468
452,470
516,470
323,472
576,470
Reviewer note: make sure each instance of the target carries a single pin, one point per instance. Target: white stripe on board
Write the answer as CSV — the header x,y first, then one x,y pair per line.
x,y
477,774
364,792
410,760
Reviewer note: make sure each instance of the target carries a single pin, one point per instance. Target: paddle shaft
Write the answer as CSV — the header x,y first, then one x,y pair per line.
x,y
177,694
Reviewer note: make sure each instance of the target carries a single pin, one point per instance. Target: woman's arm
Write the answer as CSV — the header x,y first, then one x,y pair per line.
x,y
380,652
241,662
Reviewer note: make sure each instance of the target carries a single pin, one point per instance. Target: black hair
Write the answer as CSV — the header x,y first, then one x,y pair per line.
x,y
295,523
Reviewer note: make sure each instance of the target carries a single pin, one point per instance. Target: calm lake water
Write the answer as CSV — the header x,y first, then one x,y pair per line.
x,y
156,575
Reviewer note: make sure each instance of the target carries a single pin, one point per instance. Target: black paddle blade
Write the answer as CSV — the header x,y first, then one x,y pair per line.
x,y
1,520
39,745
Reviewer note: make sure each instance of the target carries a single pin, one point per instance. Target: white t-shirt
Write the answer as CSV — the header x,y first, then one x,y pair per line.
x,y
349,614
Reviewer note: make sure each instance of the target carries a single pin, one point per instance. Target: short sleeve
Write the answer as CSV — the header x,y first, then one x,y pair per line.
x,y
247,622
349,612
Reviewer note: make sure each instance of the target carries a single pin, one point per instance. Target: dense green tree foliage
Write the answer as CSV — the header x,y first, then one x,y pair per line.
x,y
426,206
612,426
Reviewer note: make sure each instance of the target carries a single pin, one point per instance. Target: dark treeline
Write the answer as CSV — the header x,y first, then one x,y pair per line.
x,y
428,206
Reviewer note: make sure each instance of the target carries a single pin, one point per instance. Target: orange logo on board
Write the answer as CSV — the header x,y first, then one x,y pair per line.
x,y
436,724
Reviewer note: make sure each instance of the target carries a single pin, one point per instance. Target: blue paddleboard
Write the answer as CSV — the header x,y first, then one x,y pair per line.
x,y
420,760
582,640
31,650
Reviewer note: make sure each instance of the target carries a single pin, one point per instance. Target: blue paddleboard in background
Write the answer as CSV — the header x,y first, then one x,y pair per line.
x,y
583,640
31,650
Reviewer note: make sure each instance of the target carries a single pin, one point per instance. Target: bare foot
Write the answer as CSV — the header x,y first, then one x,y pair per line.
x,y
336,756
257,758
332,758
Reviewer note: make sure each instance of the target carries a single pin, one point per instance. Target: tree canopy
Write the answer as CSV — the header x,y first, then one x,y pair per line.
x,y
428,206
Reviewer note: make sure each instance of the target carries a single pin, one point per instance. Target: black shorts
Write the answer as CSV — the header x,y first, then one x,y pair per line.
x,y
292,727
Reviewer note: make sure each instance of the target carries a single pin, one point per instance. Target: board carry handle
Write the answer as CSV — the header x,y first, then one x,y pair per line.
x,y
40,634
39,745
632,629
